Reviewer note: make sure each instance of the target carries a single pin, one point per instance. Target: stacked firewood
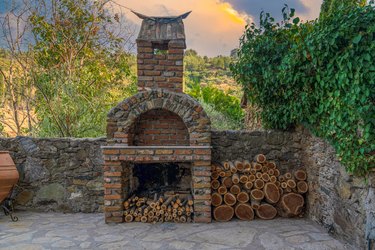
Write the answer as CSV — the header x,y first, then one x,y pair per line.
x,y
169,207
246,189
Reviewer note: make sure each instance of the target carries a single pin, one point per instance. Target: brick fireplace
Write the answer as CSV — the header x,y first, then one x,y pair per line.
x,y
160,124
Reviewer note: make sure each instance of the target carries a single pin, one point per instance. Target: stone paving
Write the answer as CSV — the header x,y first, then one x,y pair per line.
x,y
88,231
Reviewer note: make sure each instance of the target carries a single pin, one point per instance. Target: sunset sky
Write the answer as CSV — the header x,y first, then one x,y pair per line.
x,y
215,26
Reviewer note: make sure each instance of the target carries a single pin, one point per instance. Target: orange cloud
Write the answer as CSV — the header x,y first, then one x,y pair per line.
x,y
213,28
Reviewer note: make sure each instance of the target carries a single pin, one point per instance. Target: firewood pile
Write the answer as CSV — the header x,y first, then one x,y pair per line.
x,y
248,189
169,207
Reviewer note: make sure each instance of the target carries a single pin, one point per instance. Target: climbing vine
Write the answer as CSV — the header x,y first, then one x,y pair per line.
x,y
320,74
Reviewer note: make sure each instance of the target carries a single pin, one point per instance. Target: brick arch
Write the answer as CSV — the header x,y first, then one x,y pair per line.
x,y
122,118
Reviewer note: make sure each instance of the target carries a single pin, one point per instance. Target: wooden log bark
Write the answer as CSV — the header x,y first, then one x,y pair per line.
x,y
215,175
290,205
300,175
216,199
230,199
223,213
244,179
244,211
265,177
302,187
215,184
235,178
227,182
291,183
258,184
260,158
266,211
288,176
242,197
222,190
235,189
226,165
239,165
271,193
256,195
248,185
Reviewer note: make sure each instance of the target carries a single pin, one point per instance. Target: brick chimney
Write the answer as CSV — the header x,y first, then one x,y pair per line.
x,y
161,44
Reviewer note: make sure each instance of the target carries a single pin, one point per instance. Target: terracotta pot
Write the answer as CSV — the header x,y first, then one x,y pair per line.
x,y
8,174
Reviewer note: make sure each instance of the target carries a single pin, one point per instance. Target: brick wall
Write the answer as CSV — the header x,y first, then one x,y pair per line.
x,y
160,70
160,127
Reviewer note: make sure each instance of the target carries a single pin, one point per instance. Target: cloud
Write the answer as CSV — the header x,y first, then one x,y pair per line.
x,y
215,26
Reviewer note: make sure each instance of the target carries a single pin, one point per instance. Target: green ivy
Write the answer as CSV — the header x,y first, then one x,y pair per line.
x,y
320,74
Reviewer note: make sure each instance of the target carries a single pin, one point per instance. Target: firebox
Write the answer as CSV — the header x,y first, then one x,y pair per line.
x,y
160,133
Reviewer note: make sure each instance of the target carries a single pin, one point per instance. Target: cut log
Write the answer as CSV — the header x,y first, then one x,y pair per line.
x,y
257,166
258,184
247,164
255,205
273,179
232,167
271,172
226,165
242,197
248,185
266,211
258,175
235,189
265,177
253,171
291,183
222,190
222,173
300,175
244,211
271,165
215,175
230,199
223,213
288,176
215,184
302,187
190,200
256,195
260,158
227,182
276,172
129,218
235,179
228,174
167,202
284,185
244,179
252,178
271,193
216,199
239,165
144,219
290,205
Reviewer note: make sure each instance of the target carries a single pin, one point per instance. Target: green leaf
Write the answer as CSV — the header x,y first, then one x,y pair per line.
x,y
357,39
296,20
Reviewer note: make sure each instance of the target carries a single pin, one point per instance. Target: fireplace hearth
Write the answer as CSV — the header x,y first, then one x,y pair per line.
x,y
160,132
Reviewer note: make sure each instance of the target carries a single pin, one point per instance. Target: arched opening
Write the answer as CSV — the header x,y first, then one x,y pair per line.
x,y
160,127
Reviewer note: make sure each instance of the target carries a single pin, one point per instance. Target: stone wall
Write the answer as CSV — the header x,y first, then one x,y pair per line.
x,y
342,203
58,174
66,175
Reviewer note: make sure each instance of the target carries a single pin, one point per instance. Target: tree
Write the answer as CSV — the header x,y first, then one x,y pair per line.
x,y
329,6
16,98
82,68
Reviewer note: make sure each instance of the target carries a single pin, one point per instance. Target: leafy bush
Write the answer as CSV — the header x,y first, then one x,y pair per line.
x,y
320,74
228,106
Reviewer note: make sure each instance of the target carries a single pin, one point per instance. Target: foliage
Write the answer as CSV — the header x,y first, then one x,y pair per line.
x,y
219,102
82,69
320,74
